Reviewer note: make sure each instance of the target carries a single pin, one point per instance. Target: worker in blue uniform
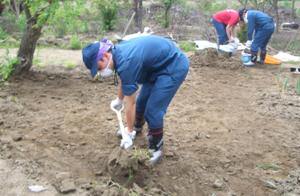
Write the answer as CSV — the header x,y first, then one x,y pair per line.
x,y
152,61
262,26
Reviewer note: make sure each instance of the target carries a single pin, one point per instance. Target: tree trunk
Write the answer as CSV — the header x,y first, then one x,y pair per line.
x,y
138,8
275,5
293,9
167,16
28,44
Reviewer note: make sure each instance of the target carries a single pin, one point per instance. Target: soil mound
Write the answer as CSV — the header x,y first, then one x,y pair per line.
x,y
212,58
128,167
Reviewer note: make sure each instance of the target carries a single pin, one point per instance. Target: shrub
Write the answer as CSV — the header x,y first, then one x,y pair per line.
x,y
75,43
6,66
108,10
187,46
3,34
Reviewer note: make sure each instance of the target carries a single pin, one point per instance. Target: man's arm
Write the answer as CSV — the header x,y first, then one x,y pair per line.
x,y
130,110
229,32
120,93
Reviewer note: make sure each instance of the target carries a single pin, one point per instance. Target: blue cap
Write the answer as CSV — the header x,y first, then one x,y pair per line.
x,y
92,53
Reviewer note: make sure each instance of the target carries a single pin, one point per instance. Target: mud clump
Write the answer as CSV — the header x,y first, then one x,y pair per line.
x,y
128,167
212,58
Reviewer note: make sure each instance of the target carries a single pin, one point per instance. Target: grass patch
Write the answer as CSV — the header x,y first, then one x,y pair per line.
x,y
187,46
298,86
38,63
282,83
268,166
75,43
70,65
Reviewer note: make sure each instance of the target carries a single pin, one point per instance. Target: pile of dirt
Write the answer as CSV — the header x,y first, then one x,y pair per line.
x,y
212,58
128,167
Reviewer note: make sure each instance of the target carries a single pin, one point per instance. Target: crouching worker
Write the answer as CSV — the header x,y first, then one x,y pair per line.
x,y
262,26
224,23
155,63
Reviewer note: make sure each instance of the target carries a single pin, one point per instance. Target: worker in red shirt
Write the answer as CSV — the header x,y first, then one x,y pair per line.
x,y
224,23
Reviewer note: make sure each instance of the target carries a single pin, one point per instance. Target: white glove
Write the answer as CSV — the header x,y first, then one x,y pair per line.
x,y
127,138
117,104
248,43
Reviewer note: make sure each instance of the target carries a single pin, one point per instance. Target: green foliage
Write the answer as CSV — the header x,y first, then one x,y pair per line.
x,y
108,10
298,86
242,33
282,83
167,7
187,46
75,43
268,166
67,18
6,66
3,34
42,9
70,65
295,46
298,12
22,23
211,7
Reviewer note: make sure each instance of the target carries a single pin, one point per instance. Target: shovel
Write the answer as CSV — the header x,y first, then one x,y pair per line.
x,y
126,141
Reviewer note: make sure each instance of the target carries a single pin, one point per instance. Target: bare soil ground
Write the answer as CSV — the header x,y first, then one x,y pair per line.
x,y
229,131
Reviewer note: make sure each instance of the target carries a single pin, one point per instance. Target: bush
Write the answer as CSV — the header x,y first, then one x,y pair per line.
x,y
108,10
3,34
187,46
6,66
67,18
75,43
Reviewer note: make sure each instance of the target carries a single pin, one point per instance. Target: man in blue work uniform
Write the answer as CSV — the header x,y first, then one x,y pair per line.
x,y
263,26
152,61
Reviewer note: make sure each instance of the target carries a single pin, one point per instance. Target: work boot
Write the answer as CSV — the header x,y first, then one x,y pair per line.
x,y
263,55
253,60
155,147
139,122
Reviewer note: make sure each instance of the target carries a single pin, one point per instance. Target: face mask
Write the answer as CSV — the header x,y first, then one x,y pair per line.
x,y
107,72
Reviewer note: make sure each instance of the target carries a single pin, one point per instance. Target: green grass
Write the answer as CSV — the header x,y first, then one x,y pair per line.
x,y
268,166
38,63
70,65
75,43
298,86
187,46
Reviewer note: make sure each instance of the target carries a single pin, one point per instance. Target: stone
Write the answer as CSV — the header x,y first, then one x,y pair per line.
x,y
99,173
67,186
17,137
138,189
218,184
270,184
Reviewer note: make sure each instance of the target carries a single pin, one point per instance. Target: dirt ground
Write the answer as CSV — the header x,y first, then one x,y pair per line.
x,y
230,130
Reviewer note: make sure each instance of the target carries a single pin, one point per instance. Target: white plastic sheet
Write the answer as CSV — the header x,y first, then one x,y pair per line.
x,y
203,44
286,57
147,31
